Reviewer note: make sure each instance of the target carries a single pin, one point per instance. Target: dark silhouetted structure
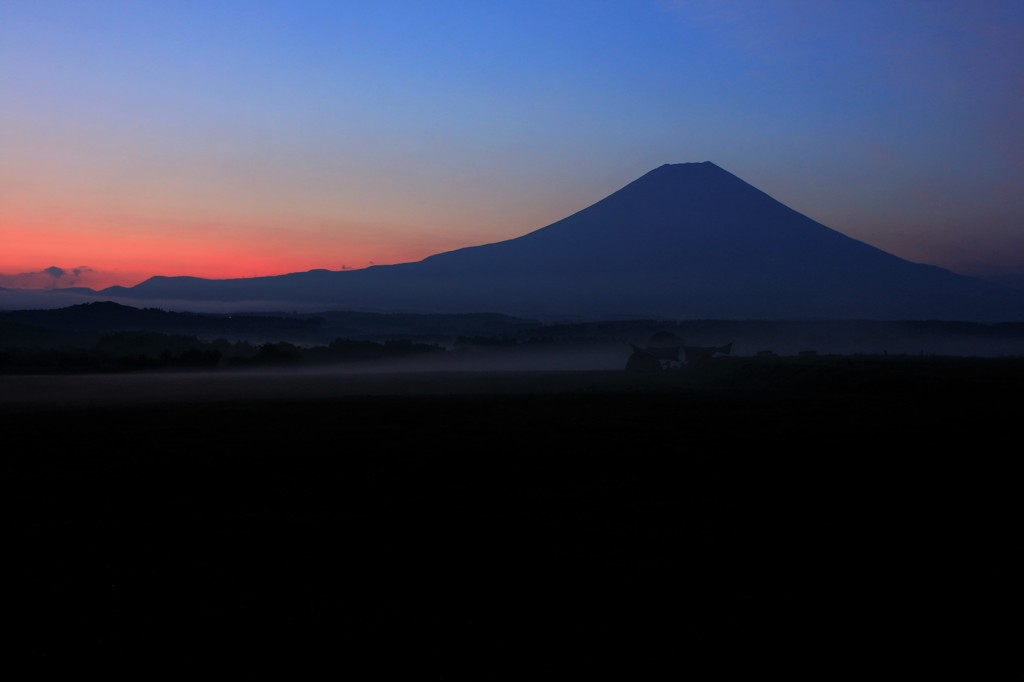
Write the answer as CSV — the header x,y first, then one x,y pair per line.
x,y
666,350
665,347
698,354
642,361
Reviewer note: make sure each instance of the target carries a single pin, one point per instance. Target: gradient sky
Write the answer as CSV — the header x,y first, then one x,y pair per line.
x,y
227,139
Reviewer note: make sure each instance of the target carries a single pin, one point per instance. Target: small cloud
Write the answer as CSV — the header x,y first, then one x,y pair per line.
x,y
55,277
78,273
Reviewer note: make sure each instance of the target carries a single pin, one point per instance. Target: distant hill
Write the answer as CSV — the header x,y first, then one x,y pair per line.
x,y
319,327
684,241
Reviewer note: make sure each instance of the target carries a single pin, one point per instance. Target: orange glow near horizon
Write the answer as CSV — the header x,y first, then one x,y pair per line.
x,y
113,254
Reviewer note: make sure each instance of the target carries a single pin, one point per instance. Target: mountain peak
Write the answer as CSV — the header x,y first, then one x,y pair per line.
x,y
688,165
690,171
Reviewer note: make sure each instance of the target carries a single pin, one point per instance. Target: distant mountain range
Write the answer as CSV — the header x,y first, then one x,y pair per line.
x,y
684,241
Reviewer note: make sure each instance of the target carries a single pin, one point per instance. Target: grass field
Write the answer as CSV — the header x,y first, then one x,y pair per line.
x,y
468,524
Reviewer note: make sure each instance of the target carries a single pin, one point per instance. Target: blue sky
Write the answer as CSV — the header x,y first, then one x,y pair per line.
x,y
244,138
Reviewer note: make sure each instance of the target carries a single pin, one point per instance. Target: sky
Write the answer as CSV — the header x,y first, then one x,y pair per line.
x,y
223,138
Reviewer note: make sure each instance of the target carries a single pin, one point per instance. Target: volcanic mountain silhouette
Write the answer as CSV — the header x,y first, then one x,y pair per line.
x,y
684,241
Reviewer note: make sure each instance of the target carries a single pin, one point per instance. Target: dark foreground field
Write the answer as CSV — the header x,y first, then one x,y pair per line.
x,y
481,525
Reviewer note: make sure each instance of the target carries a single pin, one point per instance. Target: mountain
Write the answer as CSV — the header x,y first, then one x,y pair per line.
x,y
684,241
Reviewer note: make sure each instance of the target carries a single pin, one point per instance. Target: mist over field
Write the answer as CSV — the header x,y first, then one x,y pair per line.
x,y
360,481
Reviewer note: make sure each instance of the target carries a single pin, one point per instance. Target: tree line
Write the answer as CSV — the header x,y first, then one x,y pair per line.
x,y
148,351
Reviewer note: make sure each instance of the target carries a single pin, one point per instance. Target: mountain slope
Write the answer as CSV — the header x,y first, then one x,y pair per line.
x,y
683,241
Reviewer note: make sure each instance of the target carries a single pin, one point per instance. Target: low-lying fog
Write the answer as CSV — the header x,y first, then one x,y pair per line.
x,y
490,372
464,370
